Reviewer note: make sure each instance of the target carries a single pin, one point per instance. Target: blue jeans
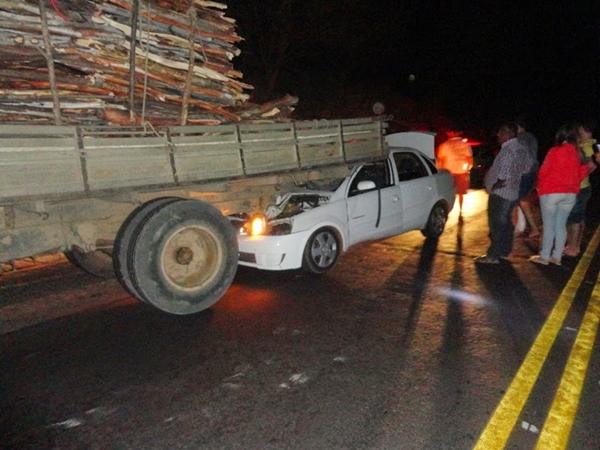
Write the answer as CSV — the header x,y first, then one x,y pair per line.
x,y
501,226
555,210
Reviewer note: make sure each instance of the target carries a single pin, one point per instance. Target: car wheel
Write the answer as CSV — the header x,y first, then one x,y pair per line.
x,y
321,251
184,257
436,221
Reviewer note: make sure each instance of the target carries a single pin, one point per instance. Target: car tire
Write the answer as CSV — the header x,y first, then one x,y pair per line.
x,y
436,222
130,228
97,262
321,251
184,257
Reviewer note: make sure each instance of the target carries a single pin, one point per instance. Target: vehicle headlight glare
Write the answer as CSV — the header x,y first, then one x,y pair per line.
x,y
258,225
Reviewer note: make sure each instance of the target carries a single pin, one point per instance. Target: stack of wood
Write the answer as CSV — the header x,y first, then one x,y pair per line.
x,y
180,70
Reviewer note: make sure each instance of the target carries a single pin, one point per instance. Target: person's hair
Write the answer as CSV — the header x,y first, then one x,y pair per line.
x,y
511,127
588,125
566,133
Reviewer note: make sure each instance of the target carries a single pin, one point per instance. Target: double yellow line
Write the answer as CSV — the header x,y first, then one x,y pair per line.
x,y
556,430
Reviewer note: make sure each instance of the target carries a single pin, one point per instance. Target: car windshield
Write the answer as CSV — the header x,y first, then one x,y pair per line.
x,y
324,185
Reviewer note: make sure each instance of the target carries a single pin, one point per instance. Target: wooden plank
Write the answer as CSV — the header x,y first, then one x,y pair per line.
x,y
363,136
263,127
316,140
315,134
189,130
279,158
205,161
257,147
36,145
284,135
320,154
205,139
114,163
361,127
29,173
35,130
118,132
361,150
124,143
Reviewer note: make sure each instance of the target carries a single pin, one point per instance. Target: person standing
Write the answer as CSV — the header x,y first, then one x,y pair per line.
x,y
456,156
502,184
576,220
558,183
527,185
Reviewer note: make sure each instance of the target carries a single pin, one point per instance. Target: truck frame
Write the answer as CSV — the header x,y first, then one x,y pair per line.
x,y
153,202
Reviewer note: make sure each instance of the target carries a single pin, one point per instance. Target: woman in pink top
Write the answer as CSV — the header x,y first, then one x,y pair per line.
x,y
558,183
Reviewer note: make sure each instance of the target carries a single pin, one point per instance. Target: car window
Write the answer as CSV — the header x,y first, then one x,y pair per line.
x,y
409,166
377,172
430,164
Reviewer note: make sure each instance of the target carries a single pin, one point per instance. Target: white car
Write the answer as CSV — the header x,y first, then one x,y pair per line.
x,y
310,228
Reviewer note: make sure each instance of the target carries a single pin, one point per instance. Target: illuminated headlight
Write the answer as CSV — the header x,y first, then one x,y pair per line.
x,y
258,225
255,226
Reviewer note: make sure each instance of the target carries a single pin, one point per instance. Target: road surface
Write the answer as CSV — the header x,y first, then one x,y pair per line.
x,y
406,344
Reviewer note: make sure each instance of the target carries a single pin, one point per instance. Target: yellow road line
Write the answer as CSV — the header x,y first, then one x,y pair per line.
x,y
557,428
500,426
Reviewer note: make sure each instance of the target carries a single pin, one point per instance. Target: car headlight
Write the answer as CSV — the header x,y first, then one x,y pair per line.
x,y
258,225
280,228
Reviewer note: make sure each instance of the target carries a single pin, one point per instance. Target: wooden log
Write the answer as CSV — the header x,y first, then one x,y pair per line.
x,y
132,50
190,73
50,62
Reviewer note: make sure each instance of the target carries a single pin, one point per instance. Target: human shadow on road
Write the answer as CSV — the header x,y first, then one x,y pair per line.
x,y
416,286
518,310
451,372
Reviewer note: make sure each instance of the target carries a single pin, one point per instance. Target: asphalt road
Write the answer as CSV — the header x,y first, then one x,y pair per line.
x,y
406,344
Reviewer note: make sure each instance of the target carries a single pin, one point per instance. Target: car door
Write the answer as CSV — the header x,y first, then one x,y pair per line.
x,y
415,188
368,218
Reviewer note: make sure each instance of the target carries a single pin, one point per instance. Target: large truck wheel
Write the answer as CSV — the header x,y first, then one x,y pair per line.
x,y
97,262
123,241
184,257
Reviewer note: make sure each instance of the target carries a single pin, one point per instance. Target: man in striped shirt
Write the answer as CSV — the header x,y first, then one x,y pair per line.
x,y
502,184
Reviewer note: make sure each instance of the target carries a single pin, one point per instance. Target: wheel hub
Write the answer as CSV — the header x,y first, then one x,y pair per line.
x,y
191,257
324,249
184,256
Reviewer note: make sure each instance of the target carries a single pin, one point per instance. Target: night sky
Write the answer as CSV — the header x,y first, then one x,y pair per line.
x,y
475,63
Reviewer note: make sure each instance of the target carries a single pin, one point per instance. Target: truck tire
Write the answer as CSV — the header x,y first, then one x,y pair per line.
x,y
123,241
184,257
97,262
436,222
321,251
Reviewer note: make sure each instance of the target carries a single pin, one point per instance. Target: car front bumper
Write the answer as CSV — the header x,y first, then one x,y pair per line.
x,y
282,252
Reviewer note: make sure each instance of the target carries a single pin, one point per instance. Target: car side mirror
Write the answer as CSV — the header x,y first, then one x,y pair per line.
x,y
366,185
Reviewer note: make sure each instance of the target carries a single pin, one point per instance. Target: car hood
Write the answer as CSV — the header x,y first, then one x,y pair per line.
x,y
294,203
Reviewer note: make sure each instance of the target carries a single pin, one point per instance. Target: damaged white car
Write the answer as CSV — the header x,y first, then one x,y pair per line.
x,y
309,229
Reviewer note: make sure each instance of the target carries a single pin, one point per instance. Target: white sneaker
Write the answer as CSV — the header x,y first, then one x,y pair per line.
x,y
537,259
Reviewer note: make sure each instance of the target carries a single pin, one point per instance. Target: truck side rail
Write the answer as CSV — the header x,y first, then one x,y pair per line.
x,y
39,161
